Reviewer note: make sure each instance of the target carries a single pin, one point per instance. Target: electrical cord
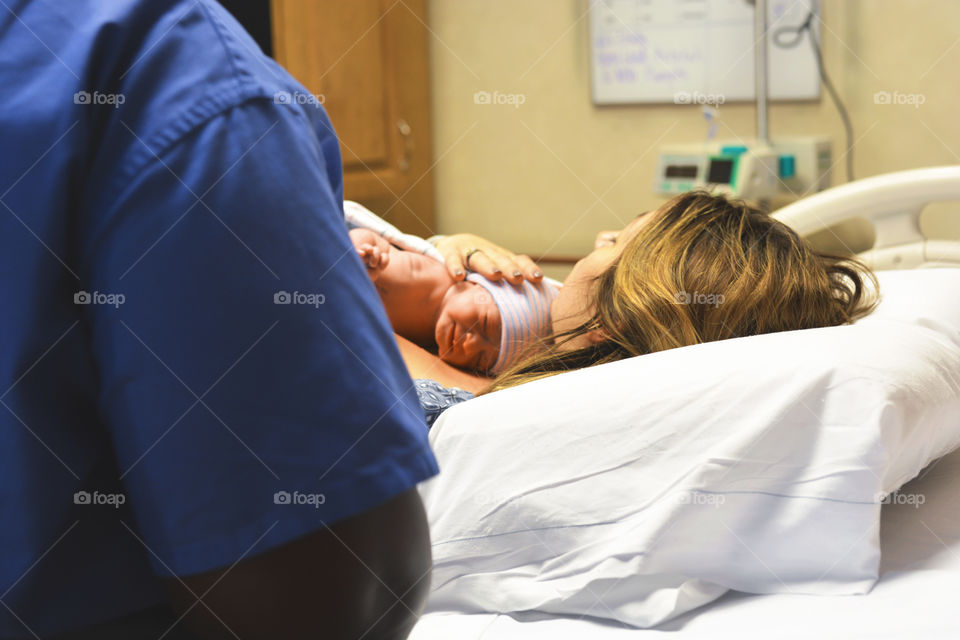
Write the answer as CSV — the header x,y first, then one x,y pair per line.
x,y
797,33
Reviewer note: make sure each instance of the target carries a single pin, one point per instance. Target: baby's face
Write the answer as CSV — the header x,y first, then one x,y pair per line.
x,y
468,328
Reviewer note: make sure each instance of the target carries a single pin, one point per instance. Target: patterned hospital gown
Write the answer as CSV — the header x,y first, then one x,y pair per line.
x,y
436,398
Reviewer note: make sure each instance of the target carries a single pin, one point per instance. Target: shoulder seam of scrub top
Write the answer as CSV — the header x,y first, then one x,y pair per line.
x,y
175,130
219,28
189,121
230,92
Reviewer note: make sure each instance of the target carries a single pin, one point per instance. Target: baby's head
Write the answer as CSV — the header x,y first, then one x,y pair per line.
x,y
483,326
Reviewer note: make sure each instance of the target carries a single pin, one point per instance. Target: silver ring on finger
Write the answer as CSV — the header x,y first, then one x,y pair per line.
x,y
469,254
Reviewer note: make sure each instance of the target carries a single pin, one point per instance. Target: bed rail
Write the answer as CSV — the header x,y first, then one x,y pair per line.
x,y
892,203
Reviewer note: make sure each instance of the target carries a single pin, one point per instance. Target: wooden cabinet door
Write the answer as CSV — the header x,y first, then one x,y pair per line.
x,y
369,61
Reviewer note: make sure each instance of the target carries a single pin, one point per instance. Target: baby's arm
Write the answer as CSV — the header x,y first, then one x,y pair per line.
x,y
390,267
411,285
402,277
374,250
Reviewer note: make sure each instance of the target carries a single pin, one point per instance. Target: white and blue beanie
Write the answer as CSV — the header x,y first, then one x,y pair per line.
x,y
524,314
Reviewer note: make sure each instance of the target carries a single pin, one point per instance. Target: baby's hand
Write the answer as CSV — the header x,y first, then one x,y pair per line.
x,y
373,249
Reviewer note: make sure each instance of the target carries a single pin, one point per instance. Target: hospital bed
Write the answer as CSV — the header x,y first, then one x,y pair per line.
x,y
906,589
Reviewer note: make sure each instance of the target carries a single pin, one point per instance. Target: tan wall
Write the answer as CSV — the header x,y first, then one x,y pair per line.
x,y
544,177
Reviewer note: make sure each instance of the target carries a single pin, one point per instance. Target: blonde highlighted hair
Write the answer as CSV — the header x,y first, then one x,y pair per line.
x,y
704,268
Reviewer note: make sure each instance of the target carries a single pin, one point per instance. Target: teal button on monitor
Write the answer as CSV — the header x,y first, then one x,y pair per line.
x,y
788,166
732,150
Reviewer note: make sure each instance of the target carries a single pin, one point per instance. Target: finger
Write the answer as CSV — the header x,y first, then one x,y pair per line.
x,y
384,259
454,262
529,268
517,267
370,257
508,265
485,266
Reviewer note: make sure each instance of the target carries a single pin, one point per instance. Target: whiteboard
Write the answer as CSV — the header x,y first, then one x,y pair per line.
x,y
695,51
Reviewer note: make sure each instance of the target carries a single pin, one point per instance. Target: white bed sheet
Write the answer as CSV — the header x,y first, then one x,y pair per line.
x,y
916,596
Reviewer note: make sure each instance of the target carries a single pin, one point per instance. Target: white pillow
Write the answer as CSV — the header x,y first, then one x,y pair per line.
x,y
645,488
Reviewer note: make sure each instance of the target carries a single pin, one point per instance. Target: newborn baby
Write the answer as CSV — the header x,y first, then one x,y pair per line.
x,y
474,324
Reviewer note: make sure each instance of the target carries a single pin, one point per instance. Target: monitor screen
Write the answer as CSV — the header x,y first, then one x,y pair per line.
x,y
681,171
721,171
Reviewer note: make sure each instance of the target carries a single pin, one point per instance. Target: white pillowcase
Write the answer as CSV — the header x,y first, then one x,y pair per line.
x,y
645,488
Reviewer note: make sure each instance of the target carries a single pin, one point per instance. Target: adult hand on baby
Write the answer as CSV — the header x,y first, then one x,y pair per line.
x,y
464,251
374,250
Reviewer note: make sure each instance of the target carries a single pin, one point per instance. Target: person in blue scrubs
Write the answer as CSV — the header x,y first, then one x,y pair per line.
x,y
206,428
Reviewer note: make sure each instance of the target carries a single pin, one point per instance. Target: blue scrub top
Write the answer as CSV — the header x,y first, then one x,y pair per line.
x,y
194,365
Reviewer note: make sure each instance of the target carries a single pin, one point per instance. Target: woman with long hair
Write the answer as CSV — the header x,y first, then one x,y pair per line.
x,y
700,268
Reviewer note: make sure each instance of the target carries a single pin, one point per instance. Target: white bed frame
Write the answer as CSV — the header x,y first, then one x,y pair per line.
x,y
892,203
920,567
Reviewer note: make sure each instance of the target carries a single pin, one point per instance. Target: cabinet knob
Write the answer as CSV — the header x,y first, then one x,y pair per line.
x,y
405,131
